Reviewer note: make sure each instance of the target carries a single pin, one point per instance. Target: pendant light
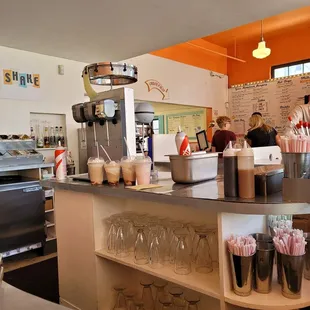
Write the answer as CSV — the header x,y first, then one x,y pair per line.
x,y
262,51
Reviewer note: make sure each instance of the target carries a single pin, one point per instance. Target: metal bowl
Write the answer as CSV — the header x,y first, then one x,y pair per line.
x,y
112,73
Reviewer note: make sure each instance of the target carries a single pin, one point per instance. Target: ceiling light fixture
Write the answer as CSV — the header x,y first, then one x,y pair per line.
x,y
262,51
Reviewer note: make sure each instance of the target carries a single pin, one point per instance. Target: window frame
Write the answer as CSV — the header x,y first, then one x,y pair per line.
x,y
288,64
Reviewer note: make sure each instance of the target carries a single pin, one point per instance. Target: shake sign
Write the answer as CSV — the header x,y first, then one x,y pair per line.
x,y
24,80
153,84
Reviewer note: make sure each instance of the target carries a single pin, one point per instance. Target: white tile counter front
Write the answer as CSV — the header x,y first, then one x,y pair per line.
x,y
12,298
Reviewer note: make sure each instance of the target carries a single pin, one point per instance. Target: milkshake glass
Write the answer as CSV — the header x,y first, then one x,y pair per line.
x,y
143,170
95,170
128,170
112,169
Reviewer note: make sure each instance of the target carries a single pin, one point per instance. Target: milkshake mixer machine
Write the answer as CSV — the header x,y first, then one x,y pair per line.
x,y
109,116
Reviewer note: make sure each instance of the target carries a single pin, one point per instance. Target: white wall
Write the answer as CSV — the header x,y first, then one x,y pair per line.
x,y
59,93
187,85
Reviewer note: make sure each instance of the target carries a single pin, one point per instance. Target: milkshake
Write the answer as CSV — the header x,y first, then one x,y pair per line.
x,y
112,169
95,170
128,170
143,170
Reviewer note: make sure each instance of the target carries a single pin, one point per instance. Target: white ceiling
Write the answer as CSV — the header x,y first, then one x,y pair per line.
x,y
102,30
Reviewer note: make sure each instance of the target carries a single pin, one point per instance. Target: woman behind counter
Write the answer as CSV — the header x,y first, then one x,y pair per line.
x,y
260,134
222,137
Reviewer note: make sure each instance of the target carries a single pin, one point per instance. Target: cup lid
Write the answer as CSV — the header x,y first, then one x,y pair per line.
x,y
141,159
94,160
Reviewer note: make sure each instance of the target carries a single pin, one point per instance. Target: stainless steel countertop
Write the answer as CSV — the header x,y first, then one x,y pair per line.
x,y
208,195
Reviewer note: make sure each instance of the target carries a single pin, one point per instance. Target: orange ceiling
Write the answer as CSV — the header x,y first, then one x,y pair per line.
x,y
273,26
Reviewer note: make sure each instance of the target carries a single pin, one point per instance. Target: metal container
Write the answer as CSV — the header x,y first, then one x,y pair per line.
x,y
194,168
242,274
296,165
269,182
263,267
78,113
112,73
292,272
89,111
262,238
307,257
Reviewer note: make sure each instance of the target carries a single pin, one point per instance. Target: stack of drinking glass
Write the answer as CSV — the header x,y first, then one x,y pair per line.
x,y
159,241
165,299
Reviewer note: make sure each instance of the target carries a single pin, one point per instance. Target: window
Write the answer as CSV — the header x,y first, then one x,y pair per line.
x,y
291,68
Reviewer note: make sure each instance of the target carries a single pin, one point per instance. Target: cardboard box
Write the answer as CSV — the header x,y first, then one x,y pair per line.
x,y
49,204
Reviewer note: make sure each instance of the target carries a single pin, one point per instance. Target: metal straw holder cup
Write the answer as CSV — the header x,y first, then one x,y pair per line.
x,y
242,274
307,257
292,273
279,266
259,237
296,165
263,267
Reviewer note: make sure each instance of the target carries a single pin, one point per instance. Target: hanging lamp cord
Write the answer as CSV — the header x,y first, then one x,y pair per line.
x,y
261,34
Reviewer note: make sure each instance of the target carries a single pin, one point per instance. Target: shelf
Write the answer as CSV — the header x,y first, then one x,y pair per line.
x,y
273,300
45,149
50,225
50,238
207,284
48,211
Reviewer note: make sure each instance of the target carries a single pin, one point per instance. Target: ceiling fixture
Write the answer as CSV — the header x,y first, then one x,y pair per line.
x,y
262,51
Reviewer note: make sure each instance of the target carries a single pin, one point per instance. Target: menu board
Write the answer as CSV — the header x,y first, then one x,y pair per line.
x,y
188,121
274,99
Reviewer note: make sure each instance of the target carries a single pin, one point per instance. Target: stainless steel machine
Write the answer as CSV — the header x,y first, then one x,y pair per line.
x,y
109,116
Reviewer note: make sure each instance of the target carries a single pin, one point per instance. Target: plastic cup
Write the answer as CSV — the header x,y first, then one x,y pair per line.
x,y
112,169
95,170
143,170
128,170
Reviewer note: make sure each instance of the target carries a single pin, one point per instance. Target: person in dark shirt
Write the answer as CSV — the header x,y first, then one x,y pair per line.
x,y
222,137
261,134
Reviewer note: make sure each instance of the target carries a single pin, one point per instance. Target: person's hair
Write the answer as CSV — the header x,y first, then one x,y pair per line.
x,y
257,113
222,121
257,121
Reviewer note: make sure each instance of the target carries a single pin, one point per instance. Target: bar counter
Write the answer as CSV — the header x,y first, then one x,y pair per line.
x,y
208,195
88,271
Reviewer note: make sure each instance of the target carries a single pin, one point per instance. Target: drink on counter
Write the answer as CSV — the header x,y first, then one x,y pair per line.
x,y
113,170
95,170
128,170
143,170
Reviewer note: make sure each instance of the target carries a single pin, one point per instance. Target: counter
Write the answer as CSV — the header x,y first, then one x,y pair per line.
x,y
87,272
15,299
208,195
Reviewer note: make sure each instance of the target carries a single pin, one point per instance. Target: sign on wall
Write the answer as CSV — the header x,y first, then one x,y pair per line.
x,y
155,85
20,84
188,122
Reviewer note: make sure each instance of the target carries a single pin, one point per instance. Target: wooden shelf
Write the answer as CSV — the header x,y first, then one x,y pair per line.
x,y
50,238
207,284
48,211
273,300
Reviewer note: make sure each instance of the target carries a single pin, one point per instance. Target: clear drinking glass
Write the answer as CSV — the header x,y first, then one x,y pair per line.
x,y
166,302
179,304
129,295
120,298
156,258
176,293
164,242
193,301
147,296
213,242
203,258
160,292
139,304
113,227
182,263
121,240
130,232
141,251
